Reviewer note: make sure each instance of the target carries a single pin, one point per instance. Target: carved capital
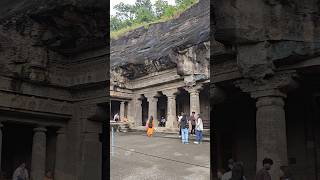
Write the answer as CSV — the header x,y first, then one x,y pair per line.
x,y
194,89
170,93
40,129
217,94
277,85
61,130
151,97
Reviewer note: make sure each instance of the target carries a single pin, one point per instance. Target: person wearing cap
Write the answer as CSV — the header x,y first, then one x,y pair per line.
x,y
263,174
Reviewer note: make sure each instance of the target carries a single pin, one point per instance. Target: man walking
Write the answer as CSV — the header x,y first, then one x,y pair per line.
x,y
193,123
184,129
179,123
263,174
199,129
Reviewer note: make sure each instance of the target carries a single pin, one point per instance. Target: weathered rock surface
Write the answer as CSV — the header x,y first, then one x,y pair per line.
x,y
267,33
36,34
160,46
67,26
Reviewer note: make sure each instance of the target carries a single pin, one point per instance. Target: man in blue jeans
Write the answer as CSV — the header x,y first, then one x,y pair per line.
x,y
184,129
199,129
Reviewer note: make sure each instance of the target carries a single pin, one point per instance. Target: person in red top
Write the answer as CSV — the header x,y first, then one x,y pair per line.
x,y
263,174
193,123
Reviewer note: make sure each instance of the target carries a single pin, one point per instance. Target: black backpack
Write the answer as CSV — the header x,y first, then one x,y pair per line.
x,y
184,123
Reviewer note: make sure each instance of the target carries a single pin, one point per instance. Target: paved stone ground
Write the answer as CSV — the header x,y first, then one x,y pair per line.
x,y
138,157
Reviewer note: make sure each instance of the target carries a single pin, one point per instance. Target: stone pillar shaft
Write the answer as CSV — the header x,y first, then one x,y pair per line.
x,y
138,112
61,146
122,109
0,144
171,109
153,109
194,102
38,159
271,133
130,111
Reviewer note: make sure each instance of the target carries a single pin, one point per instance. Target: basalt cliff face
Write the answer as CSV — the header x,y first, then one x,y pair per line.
x,y
265,35
182,42
37,33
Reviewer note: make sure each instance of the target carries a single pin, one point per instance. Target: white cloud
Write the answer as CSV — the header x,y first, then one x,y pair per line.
x,y
115,2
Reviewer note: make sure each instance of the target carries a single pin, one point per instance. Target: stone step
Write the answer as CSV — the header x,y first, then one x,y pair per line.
x,y
172,131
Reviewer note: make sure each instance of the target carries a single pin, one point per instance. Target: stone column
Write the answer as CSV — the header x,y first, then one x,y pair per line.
x,y
130,111
194,98
138,111
271,132
171,108
270,117
1,125
38,159
194,101
61,146
122,109
153,108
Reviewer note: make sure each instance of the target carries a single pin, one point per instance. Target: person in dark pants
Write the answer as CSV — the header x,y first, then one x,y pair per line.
x,y
184,129
179,120
193,123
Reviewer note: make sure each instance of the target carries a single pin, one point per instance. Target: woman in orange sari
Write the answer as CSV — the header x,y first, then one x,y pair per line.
x,y
150,126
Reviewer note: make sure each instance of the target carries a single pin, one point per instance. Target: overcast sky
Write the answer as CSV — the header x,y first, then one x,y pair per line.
x,y
115,2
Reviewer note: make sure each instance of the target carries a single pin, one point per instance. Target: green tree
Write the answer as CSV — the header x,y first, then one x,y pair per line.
x,y
125,11
169,12
184,4
160,7
144,15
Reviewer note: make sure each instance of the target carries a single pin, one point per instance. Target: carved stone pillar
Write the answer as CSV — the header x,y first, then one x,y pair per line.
x,y
130,111
271,132
171,108
38,159
153,100
270,118
122,109
137,111
1,125
194,98
61,146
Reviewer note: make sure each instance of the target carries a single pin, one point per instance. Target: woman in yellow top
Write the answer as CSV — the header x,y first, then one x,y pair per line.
x,y
150,126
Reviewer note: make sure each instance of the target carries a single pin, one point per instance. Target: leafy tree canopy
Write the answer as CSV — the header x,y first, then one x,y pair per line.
x,y
143,11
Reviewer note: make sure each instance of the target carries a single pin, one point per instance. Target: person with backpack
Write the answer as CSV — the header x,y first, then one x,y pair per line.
x,y
184,129
199,129
150,126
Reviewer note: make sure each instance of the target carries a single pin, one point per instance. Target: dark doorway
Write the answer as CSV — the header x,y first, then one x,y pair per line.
x,y
145,110
16,147
115,108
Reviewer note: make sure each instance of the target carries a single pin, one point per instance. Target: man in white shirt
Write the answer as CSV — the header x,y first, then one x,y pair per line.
x,y
199,129
116,117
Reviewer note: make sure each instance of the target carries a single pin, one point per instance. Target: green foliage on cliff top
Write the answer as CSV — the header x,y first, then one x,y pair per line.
x,y
144,13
